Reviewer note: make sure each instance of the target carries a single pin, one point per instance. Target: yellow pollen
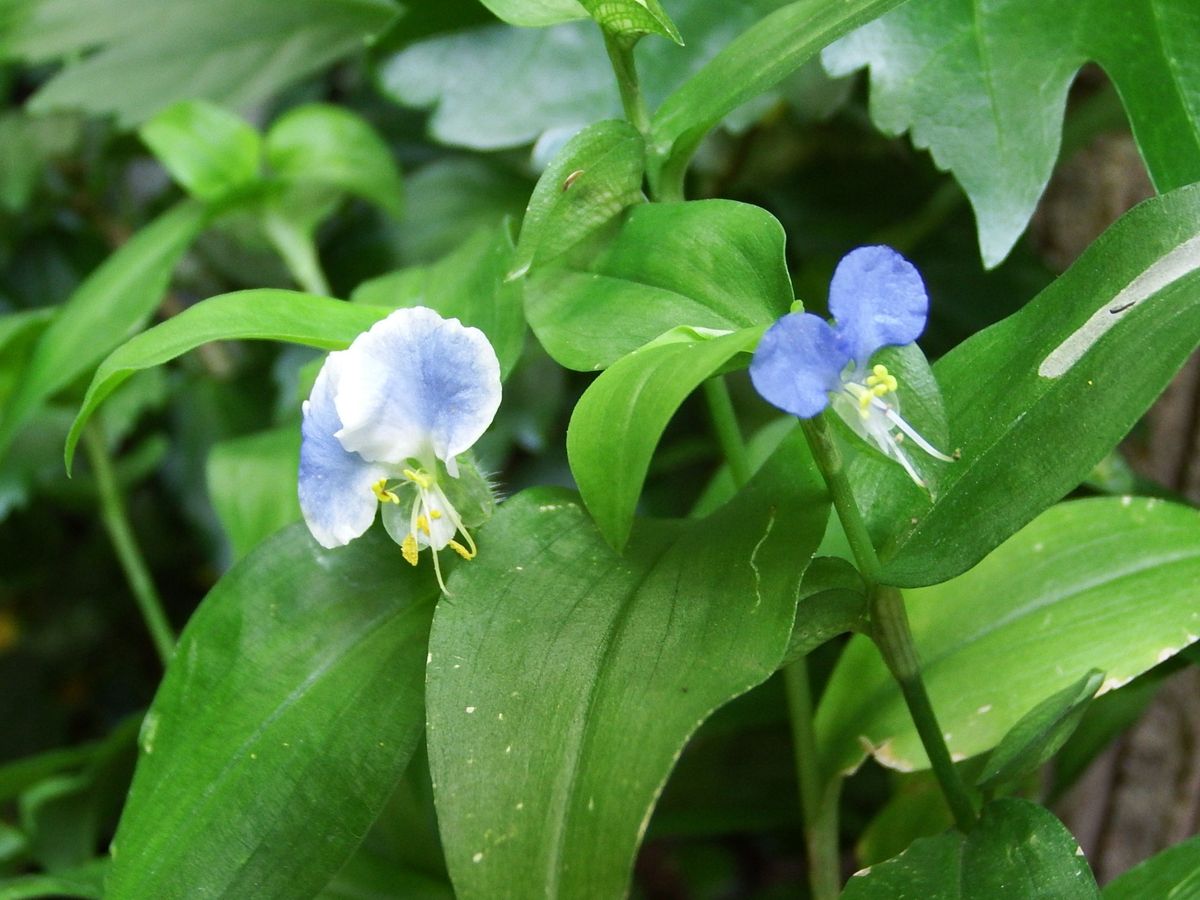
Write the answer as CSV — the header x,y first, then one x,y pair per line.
x,y
409,549
881,382
379,489
461,550
435,514
423,524
421,479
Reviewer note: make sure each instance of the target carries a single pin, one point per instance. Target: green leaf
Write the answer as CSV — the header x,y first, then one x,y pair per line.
x,y
984,87
1018,851
916,809
299,683
1106,583
320,144
833,601
262,314
87,881
210,151
632,18
152,53
619,419
467,284
252,485
564,680
1039,733
561,75
760,58
104,310
1168,874
587,184
1035,401
708,264
535,12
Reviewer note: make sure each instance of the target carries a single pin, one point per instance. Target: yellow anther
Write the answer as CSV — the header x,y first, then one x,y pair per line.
x,y
461,550
408,549
435,514
420,478
423,524
379,489
881,382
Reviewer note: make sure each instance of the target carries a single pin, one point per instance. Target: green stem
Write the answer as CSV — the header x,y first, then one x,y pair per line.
x,y
890,630
819,808
116,523
725,424
620,53
889,623
299,254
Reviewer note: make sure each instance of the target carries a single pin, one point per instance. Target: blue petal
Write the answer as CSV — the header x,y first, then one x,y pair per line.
x,y
798,362
335,485
878,300
417,385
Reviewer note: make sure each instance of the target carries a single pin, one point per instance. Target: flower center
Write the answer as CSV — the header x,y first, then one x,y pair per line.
x,y
433,521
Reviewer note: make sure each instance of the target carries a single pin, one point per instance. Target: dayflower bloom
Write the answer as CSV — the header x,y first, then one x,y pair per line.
x,y
413,392
803,363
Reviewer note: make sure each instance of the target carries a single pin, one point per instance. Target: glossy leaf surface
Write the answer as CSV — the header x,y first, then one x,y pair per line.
x,y
297,683
984,85
1018,850
1170,874
735,277
262,314
620,418
1035,401
1107,583
564,680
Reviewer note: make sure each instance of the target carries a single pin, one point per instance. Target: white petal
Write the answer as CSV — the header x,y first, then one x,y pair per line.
x,y
334,485
417,385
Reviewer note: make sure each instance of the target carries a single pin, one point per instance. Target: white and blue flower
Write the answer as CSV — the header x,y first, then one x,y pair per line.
x,y
386,420
803,364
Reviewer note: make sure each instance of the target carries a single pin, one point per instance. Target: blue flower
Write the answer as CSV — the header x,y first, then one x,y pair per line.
x,y
386,418
803,363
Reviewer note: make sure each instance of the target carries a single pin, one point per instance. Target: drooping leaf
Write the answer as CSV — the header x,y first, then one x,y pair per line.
x,y
467,284
297,683
1106,583
596,175
620,418
326,145
210,151
706,264
1035,401
104,310
984,85
1018,850
761,57
231,52
563,680
262,314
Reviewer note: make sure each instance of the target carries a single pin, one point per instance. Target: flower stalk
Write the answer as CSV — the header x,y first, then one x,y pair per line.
x,y
889,622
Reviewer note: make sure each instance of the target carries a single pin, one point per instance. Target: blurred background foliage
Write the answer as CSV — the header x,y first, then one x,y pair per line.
x,y
471,110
